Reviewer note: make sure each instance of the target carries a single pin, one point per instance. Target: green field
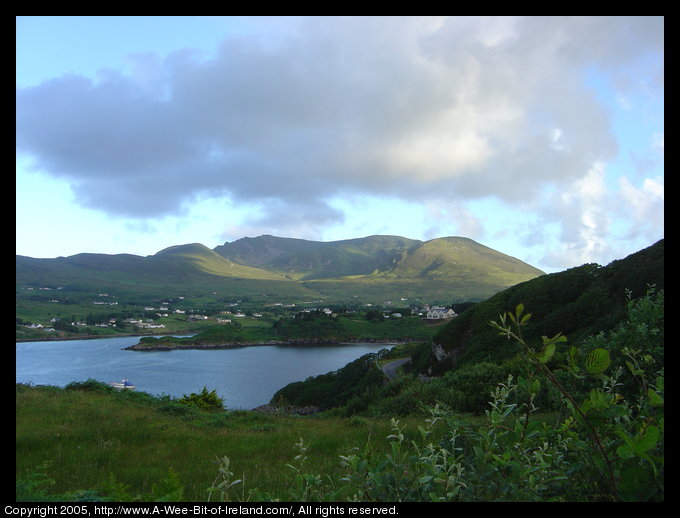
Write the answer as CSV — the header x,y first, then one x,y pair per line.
x,y
92,440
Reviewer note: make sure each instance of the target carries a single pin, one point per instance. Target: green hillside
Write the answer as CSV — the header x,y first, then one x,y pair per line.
x,y
463,258
265,249
305,260
385,267
450,268
368,269
200,258
577,302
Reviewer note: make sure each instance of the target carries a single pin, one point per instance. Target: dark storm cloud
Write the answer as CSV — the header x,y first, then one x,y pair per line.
x,y
414,108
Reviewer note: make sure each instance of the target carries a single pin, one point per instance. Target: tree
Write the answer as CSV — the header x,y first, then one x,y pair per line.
x,y
204,400
374,315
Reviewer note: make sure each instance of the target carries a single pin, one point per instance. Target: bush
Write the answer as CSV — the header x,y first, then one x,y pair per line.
x,y
468,388
204,400
90,385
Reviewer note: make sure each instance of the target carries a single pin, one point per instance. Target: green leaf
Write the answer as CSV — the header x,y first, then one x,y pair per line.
x,y
654,398
625,451
659,383
598,361
507,410
523,382
633,369
558,338
597,400
648,440
572,363
535,386
548,353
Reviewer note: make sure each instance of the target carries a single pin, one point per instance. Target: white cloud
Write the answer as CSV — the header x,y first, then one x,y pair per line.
x,y
445,218
426,110
583,214
645,204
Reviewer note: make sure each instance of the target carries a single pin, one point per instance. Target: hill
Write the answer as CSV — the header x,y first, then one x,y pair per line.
x,y
199,258
366,269
385,267
577,302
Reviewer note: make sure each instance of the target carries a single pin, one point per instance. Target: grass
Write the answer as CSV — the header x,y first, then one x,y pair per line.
x,y
87,439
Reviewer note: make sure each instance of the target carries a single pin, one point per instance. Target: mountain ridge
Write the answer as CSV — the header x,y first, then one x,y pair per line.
x,y
369,267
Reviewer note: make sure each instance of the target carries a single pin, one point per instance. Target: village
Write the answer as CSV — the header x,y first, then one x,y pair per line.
x,y
174,313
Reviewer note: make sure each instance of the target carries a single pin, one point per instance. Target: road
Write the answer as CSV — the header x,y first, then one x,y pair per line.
x,y
390,369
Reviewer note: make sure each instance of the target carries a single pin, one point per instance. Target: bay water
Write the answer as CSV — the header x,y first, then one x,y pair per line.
x,y
245,377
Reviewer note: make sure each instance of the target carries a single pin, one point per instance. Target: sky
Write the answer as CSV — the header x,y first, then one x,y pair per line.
x,y
540,137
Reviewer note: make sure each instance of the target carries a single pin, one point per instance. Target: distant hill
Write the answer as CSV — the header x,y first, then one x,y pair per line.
x,y
175,270
385,266
369,268
199,258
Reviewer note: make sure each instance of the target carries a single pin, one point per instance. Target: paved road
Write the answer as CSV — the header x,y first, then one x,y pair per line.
x,y
390,369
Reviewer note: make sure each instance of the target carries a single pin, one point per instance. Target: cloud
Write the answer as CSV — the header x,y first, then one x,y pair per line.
x,y
421,109
442,217
646,205
279,217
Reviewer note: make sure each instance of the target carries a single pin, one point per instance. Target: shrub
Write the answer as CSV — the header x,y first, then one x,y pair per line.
x,y
90,385
204,400
468,387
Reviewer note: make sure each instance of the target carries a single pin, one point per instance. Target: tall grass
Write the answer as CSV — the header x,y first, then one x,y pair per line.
x,y
91,439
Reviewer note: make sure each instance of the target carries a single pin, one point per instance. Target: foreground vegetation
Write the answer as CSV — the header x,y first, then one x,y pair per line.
x,y
603,439
87,441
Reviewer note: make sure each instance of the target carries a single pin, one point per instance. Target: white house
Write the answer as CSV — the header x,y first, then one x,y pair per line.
x,y
440,313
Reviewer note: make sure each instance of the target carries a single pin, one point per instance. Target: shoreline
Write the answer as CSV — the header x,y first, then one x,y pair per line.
x,y
233,345
301,342
96,337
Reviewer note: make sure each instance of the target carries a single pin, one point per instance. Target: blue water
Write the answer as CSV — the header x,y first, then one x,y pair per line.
x,y
245,377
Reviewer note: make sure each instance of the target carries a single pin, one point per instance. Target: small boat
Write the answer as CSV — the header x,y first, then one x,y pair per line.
x,y
123,384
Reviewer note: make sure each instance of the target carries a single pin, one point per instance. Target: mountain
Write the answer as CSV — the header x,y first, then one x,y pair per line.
x,y
385,266
305,260
365,269
177,270
462,258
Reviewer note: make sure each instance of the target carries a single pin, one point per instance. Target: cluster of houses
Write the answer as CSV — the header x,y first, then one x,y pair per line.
x,y
428,312
439,313
434,313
